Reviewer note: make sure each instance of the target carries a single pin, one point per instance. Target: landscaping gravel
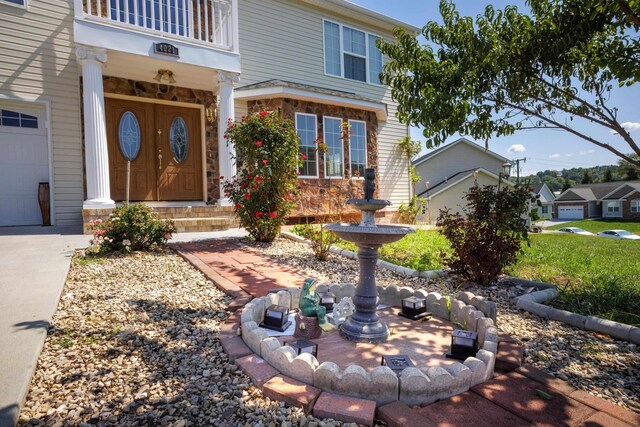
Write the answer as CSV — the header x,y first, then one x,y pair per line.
x,y
135,341
589,361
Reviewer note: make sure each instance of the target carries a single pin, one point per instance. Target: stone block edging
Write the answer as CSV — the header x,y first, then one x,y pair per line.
x,y
411,386
533,303
405,271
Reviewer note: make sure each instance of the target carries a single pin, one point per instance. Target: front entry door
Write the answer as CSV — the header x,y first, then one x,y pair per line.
x,y
164,145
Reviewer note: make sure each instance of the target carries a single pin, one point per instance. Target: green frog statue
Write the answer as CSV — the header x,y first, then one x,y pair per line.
x,y
310,304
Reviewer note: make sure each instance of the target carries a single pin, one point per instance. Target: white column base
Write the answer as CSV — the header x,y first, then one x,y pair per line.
x,y
223,201
98,204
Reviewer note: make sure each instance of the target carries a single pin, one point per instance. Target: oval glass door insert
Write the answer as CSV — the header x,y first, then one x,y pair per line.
x,y
129,136
179,139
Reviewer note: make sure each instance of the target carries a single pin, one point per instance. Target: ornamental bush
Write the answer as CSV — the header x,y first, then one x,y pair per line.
x,y
131,228
264,190
490,236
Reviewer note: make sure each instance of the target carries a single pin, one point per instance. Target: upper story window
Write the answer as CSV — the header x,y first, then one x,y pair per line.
x,y
357,147
19,3
306,126
18,120
351,53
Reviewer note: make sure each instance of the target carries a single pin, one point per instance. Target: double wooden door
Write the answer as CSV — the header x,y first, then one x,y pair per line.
x,y
163,144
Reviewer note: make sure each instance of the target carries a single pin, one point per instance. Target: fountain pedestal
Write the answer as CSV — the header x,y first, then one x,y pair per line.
x,y
364,325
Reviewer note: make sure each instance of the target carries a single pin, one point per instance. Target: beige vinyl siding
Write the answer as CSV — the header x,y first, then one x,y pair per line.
x,y
283,39
457,158
38,63
453,197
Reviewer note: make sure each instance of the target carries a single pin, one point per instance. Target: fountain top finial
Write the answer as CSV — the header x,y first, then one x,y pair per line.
x,y
369,183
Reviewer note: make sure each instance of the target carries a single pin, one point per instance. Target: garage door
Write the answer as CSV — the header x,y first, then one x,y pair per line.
x,y
24,162
570,212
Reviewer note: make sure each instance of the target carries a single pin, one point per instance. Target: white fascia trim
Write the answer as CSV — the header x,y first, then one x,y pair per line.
x,y
479,170
372,17
286,92
456,142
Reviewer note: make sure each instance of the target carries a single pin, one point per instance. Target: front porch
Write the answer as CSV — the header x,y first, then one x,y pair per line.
x,y
157,83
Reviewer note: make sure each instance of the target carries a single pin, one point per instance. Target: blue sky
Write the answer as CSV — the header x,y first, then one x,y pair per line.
x,y
544,149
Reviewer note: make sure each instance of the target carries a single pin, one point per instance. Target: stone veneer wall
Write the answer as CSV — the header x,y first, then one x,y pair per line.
x,y
321,197
140,89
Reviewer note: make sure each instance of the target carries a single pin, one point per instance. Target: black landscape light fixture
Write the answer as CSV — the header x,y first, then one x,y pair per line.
x,y
396,362
414,308
504,174
276,318
463,344
327,299
302,346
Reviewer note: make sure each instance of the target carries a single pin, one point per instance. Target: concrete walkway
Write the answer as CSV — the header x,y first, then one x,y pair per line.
x,y
516,396
34,263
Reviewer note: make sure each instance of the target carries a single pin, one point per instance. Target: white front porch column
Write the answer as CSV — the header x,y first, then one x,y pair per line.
x,y
226,152
95,133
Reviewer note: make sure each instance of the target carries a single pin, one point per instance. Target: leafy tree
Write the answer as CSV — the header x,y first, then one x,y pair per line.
x,y
608,176
628,170
586,177
566,184
490,237
264,190
509,71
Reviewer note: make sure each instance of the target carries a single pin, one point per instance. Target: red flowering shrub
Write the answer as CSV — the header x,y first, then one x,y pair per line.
x,y
263,192
489,238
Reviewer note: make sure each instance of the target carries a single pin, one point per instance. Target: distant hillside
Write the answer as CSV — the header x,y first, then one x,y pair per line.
x,y
555,178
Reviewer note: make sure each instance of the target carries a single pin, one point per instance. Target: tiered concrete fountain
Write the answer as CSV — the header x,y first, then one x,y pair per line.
x,y
365,325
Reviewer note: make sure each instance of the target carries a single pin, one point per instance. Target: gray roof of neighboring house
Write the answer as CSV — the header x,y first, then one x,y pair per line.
x,y
624,190
447,182
537,188
596,191
457,141
310,88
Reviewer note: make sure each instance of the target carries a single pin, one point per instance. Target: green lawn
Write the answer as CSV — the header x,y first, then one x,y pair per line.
x,y
596,225
595,276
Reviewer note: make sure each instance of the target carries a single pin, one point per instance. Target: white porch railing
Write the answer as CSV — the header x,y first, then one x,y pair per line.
x,y
209,22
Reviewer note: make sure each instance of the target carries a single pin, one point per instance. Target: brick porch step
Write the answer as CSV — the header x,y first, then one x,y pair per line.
x,y
187,225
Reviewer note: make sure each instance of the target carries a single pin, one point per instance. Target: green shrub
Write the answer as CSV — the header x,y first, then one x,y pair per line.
x,y
488,239
131,228
266,146
321,239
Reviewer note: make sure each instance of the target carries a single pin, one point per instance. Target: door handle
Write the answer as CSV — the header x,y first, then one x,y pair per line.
x,y
160,159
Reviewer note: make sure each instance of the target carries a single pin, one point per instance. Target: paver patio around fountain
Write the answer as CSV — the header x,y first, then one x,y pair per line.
x,y
509,399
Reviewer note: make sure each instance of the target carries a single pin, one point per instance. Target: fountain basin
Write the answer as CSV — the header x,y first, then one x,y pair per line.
x,y
368,204
369,236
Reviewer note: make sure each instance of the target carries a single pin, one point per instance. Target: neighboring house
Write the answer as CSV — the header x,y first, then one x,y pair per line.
x,y
619,199
545,211
448,172
87,84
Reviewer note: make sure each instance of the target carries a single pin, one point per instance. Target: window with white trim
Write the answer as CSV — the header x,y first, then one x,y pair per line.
x,y
635,206
545,209
307,128
12,118
334,157
351,53
357,147
613,207
19,3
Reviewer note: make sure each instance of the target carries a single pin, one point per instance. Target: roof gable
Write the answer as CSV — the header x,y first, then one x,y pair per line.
x,y
465,141
457,178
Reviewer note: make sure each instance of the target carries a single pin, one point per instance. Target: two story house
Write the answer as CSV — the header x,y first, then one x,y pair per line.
x,y
93,91
447,173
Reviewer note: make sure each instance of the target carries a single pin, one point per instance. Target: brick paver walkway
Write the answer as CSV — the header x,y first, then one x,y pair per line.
x,y
516,396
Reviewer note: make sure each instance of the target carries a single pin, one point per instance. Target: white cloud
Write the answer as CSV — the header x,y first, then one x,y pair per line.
x,y
517,148
629,127
568,154
585,152
555,156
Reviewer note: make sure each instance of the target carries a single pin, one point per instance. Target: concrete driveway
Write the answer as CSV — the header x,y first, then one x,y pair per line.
x,y
34,262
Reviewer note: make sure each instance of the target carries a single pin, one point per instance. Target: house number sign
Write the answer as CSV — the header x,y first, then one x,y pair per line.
x,y
165,49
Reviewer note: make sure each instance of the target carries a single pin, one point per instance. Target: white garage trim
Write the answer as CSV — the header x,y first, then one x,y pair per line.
x,y
571,212
23,102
